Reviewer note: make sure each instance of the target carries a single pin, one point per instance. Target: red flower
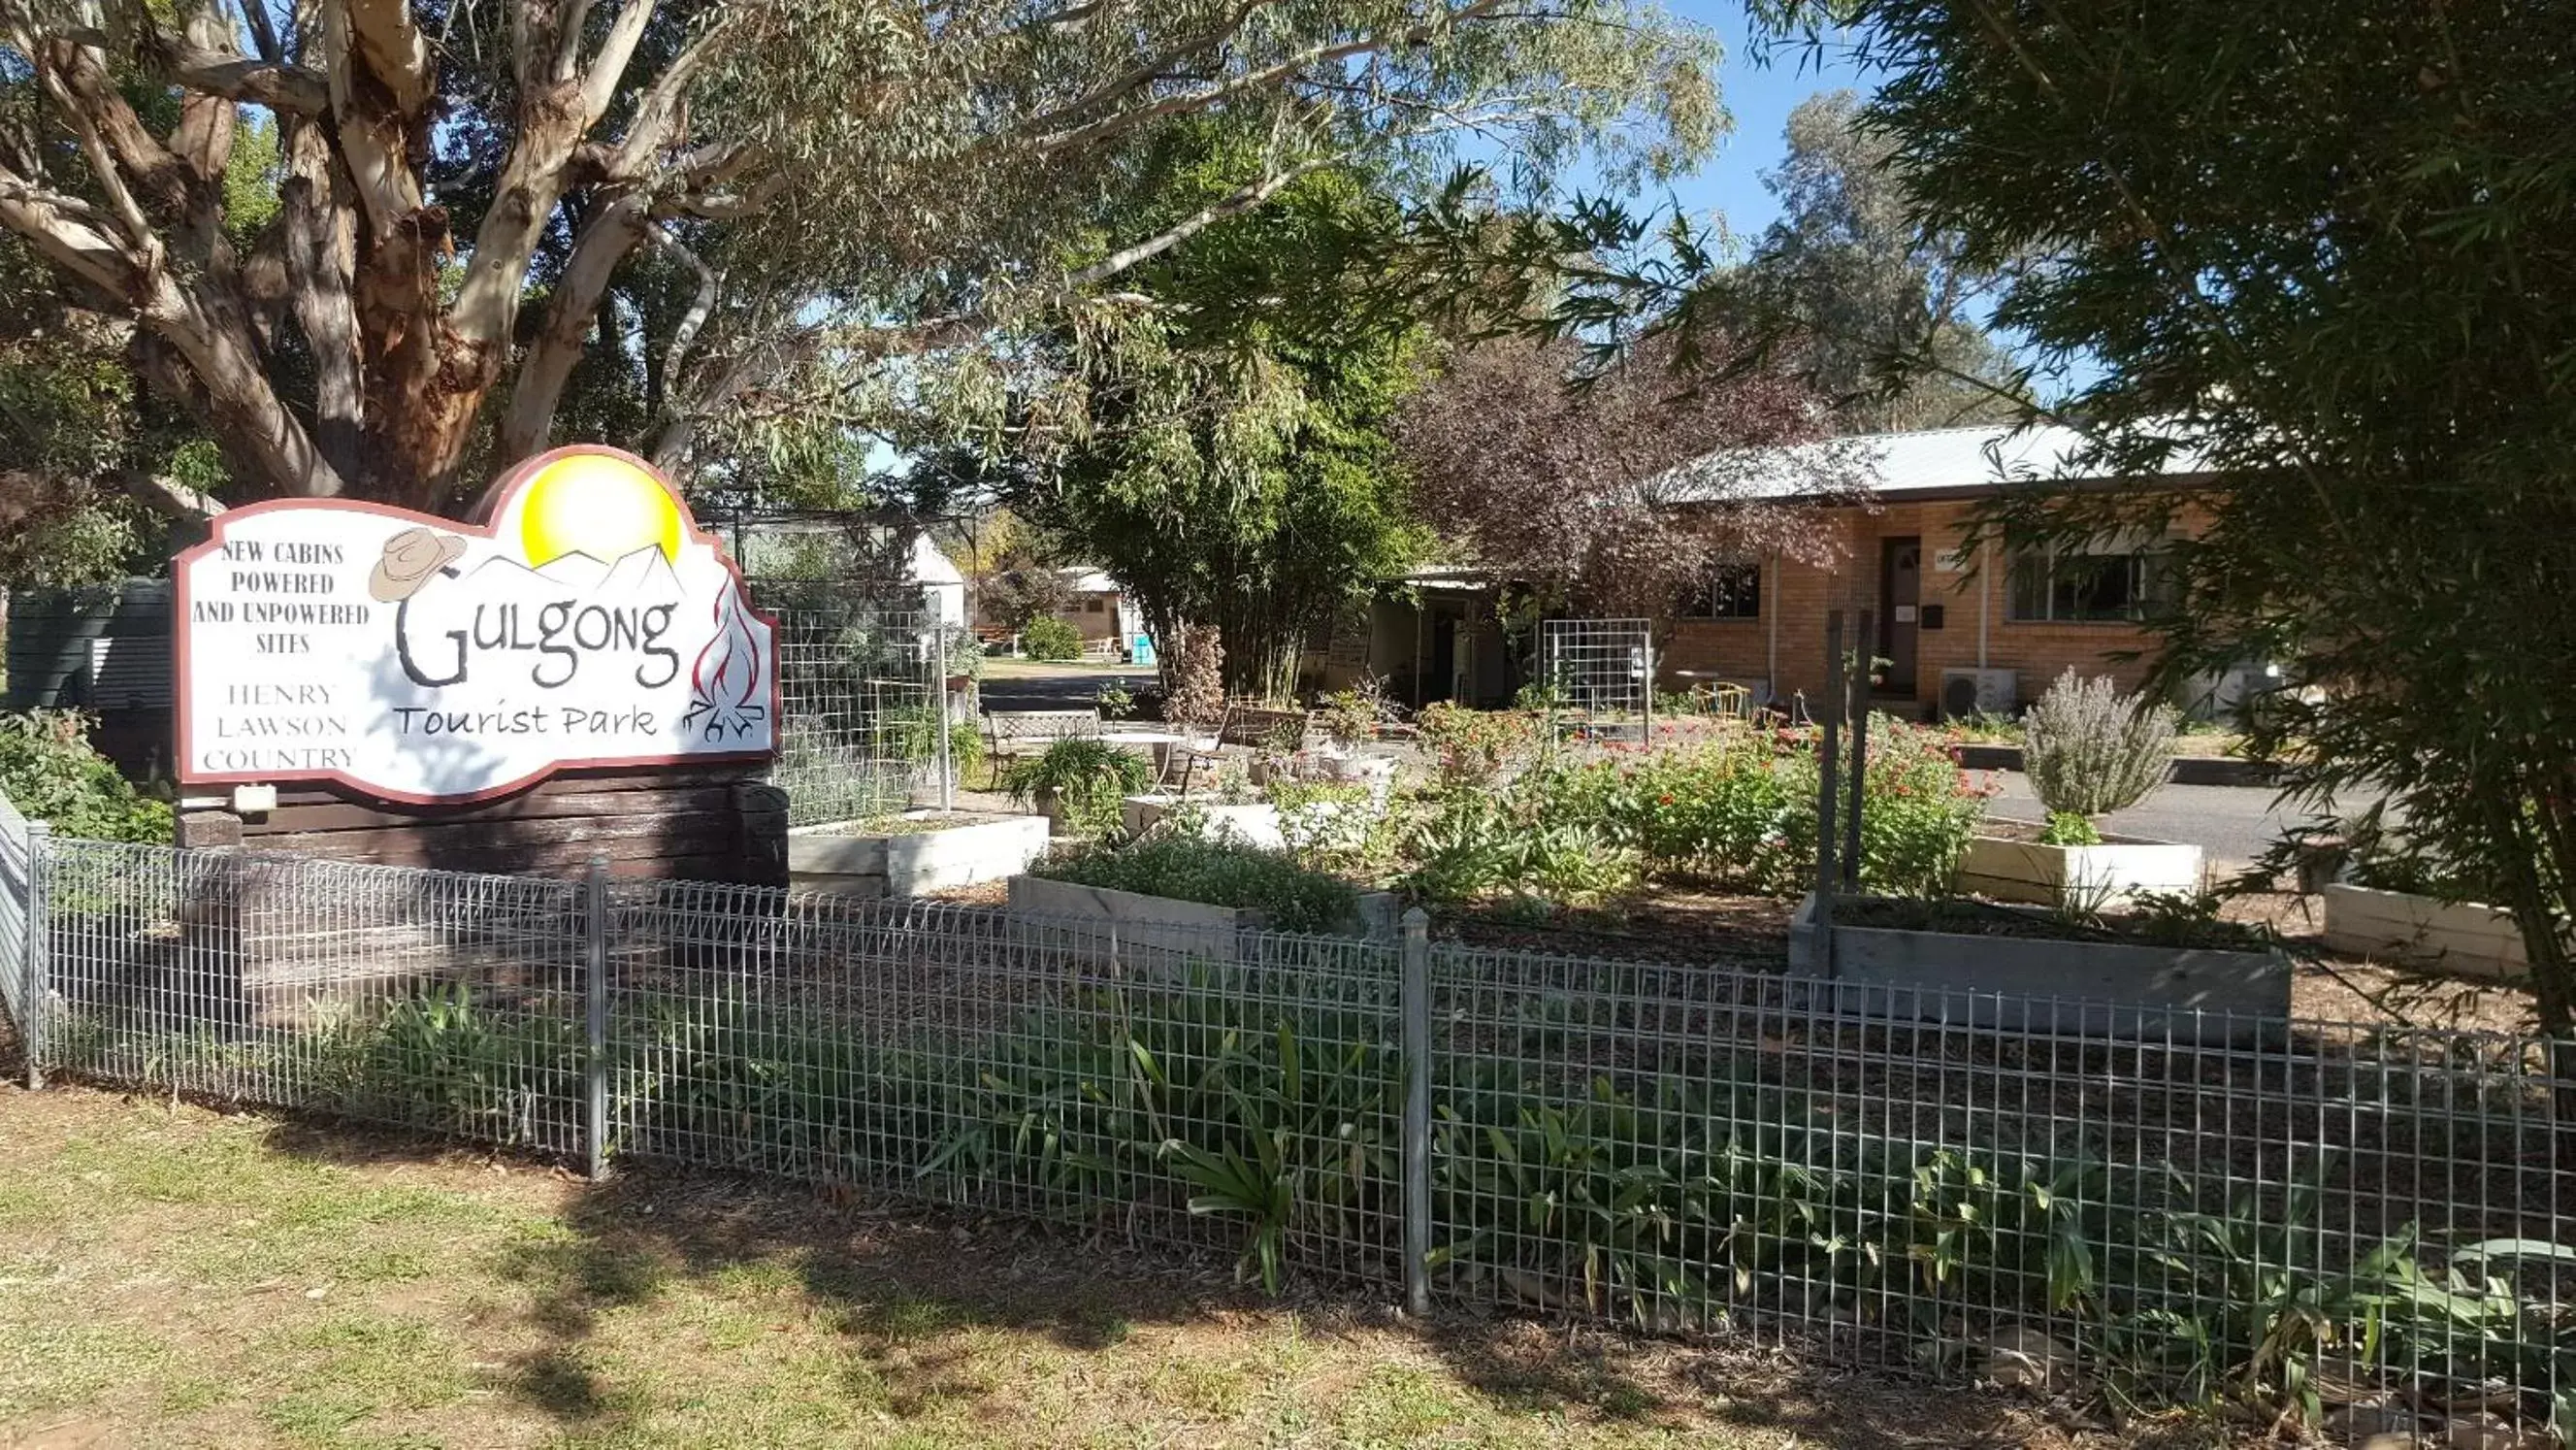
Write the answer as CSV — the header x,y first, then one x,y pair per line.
x,y
1665,799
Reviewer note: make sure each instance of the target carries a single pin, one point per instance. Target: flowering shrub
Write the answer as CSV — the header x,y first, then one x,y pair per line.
x,y
1470,748
1919,810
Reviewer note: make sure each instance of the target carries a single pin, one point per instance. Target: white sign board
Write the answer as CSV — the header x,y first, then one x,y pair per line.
x,y
585,622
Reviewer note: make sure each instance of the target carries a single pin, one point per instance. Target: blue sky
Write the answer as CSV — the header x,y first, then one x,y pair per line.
x,y
1759,97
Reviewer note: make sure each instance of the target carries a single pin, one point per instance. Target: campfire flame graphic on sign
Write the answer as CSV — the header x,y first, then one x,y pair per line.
x,y
724,684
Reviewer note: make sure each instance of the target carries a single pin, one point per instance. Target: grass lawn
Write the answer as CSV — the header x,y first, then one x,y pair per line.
x,y
175,1276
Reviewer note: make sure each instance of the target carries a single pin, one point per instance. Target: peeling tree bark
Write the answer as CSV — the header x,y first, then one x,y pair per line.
x,y
347,281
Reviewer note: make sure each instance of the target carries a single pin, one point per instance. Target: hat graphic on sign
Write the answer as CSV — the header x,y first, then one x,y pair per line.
x,y
411,559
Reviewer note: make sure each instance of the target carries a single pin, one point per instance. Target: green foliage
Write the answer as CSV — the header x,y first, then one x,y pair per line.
x,y
2089,749
1116,702
1199,1093
1882,305
1189,867
916,731
1233,469
1739,809
1984,728
1334,826
2070,828
2316,253
1087,777
1049,638
50,773
442,1061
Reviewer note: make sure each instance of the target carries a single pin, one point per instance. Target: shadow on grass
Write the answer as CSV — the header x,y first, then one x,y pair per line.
x,y
913,1297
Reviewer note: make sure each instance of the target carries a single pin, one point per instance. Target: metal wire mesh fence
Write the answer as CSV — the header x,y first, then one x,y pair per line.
x,y
2300,1213
863,710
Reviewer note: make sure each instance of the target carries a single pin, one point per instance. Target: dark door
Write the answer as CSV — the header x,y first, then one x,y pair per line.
x,y
1900,607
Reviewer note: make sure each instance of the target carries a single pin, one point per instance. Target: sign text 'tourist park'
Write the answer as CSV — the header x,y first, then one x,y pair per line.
x,y
585,622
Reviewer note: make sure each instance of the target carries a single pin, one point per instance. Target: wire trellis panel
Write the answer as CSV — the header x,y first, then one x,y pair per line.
x,y
861,680
1602,668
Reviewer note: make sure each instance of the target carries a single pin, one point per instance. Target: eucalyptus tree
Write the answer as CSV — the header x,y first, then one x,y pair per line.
x,y
460,189
1874,308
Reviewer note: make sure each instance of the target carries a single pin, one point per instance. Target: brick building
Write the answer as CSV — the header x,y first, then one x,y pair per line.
x,y
2008,625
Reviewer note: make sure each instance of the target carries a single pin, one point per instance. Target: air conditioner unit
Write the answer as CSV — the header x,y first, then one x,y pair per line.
x,y
1979,692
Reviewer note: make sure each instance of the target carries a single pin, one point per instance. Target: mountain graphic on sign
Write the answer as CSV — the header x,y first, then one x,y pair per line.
x,y
643,576
574,571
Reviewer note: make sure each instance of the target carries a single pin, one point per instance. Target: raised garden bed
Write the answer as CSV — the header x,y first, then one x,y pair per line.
x,y
1100,914
912,856
2005,860
2456,936
1256,824
2020,970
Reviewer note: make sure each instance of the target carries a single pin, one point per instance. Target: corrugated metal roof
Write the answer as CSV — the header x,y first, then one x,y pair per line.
x,y
1966,459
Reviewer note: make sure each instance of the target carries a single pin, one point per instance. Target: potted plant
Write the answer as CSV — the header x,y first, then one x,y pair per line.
x,y
2089,751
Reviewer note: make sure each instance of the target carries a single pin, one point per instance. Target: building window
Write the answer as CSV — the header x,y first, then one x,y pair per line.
x,y
1091,605
1734,592
2060,586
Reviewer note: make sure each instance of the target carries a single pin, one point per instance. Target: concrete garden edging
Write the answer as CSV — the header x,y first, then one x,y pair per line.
x,y
909,864
2457,936
2187,769
2036,985
2109,874
1166,924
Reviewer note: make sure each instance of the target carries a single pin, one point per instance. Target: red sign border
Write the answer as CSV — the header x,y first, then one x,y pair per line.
x,y
486,509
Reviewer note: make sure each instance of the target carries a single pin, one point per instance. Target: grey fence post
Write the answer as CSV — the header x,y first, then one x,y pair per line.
x,y
32,967
1858,688
1646,699
1417,1112
594,1136
1837,699
939,689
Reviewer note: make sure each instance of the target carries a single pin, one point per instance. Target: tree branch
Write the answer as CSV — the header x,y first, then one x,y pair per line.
x,y
1146,73
1205,97
168,496
570,314
700,307
219,70
72,234
608,68
1240,202
320,252
371,58
659,109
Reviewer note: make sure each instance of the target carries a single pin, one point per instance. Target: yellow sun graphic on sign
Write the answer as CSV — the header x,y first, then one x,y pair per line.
x,y
593,504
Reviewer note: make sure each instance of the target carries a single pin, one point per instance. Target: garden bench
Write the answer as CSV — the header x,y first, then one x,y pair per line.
x,y
1015,732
